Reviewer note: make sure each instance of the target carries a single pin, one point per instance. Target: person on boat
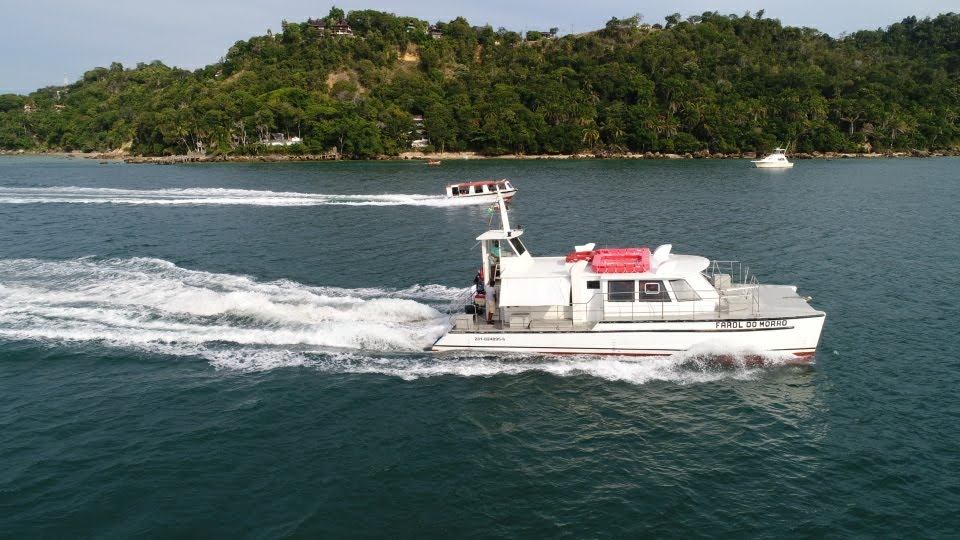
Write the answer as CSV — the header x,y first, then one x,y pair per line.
x,y
478,282
491,306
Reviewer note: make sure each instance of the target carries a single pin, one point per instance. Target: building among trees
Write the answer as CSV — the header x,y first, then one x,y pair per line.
x,y
536,35
419,142
280,139
337,28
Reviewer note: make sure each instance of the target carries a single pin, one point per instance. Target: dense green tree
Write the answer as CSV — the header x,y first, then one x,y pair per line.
x,y
720,83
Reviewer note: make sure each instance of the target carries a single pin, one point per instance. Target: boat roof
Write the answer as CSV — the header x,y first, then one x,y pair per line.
x,y
536,267
682,265
533,267
477,183
499,234
621,260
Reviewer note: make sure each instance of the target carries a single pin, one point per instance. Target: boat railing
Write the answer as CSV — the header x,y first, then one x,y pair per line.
x,y
735,284
739,272
737,300
737,289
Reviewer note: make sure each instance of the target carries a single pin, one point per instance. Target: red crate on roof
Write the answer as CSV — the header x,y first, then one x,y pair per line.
x,y
621,260
576,256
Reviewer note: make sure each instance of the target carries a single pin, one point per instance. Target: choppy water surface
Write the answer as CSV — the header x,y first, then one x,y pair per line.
x,y
236,350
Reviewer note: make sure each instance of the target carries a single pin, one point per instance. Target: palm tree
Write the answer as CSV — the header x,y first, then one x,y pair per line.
x,y
664,125
591,136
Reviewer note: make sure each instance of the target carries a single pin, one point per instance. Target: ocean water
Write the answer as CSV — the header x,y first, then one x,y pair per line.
x,y
235,350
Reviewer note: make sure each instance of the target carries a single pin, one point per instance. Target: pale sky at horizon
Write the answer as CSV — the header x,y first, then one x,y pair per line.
x,y
44,41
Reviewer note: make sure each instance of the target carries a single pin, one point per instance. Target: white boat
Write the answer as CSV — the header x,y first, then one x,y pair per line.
x,y
626,302
482,191
776,160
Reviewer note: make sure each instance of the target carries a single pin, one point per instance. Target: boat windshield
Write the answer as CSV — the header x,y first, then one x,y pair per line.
x,y
500,248
518,246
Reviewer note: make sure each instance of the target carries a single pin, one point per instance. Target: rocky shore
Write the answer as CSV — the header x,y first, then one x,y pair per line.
x,y
454,156
703,154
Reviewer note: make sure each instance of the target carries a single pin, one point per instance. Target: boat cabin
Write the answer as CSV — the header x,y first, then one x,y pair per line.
x,y
779,155
483,187
589,285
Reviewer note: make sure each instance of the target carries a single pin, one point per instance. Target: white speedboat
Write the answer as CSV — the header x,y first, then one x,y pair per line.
x,y
626,302
482,191
776,160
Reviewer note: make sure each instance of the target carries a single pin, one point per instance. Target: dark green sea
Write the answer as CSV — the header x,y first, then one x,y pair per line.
x,y
234,351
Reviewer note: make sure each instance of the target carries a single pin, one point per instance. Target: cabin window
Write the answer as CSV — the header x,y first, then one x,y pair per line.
x,y
683,291
490,188
477,190
621,291
518,246
595,284
653,291
455,191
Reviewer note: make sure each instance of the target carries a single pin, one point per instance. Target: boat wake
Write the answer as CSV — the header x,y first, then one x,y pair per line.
x,y
215,197
236,322
681,368
157,306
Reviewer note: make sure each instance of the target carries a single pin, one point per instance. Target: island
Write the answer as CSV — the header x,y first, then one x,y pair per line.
x,y
368,84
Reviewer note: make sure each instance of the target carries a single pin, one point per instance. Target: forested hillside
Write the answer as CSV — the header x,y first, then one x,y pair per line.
x,y
723,83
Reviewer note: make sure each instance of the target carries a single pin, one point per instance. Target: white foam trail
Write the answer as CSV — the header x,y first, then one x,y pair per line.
x,y
152,304
681,368
216,197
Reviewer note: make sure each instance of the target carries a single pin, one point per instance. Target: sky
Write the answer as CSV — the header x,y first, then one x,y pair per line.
x,y
45,42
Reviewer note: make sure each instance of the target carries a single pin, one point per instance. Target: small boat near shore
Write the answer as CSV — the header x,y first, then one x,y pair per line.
x,y
776,160
482,191
627,301
434,162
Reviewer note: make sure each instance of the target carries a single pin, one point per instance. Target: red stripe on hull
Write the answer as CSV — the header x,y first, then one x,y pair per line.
x,y
801,358
568,353
751,360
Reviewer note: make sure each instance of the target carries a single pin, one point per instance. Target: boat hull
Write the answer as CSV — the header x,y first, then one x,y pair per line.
x,y
795,338
772,165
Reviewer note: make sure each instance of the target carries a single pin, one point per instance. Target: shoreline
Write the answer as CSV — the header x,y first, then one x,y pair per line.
x,y
118,157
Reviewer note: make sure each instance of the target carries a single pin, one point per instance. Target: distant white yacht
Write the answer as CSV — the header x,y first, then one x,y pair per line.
x,y
776,160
